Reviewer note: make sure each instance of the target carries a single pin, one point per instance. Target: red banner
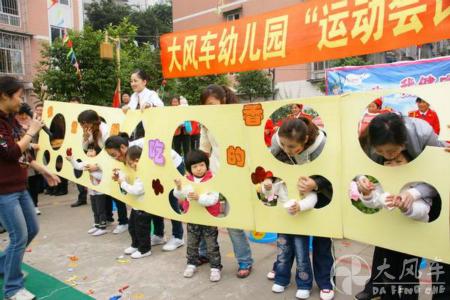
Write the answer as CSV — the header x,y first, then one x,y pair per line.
x,y
313,31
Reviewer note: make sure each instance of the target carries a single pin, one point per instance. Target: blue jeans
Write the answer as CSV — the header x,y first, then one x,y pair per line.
x,y
241,247
297,246
18,217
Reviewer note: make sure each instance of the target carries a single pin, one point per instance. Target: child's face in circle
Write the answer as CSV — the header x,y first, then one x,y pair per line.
x,y
398,161
389,151
137,84
199,169
212,101
91,153
291,147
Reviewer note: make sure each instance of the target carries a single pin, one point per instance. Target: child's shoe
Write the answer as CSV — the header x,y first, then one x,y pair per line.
x,y
138,254
189,271
157,240
271,275
92,230
303,294
120,229
130,250
326,294
100,232
215,275
276,288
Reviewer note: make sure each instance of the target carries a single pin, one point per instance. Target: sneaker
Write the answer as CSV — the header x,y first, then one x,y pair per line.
x,y
22,294
365,295
326,294
276,288
214,275
120,229
189,271
92,230
271,275
138,254
303,294
173,244
38,212
130,250
157,240
100,232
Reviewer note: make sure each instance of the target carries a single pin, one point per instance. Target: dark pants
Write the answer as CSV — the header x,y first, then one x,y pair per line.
x,y
82,193
181,144
98,203
34,186
209,234
139,229
195,141
121,210
177,226
390,266
296,247
440,274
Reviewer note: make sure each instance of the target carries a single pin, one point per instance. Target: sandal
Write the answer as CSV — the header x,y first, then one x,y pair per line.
x,y
244,270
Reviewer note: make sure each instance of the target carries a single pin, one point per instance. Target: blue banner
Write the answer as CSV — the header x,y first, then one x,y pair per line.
x,y
384,76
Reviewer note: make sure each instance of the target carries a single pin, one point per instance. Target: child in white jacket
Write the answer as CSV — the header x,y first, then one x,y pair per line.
x,y
98,200
140,221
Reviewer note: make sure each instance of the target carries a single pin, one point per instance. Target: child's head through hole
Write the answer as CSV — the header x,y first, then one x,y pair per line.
x,y
197,163
132,157
92,150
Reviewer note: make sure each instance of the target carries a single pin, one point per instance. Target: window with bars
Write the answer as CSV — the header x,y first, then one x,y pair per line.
x,y
11,53
9,12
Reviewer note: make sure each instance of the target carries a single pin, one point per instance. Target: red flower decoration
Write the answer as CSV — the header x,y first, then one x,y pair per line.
x,y
259,175
157,187
69,152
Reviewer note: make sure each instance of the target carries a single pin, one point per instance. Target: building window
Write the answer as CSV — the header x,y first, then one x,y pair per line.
x,y
56,33
232,15
318,69
11,53
64,2
9,12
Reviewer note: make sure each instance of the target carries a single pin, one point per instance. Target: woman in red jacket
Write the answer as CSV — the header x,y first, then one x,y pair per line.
x,y
17,212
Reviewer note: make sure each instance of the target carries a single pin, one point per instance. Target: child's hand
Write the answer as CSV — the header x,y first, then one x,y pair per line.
x,y
69,158
390,201
193,196
35,147
295,208
406,201
115,176
306,185
125,108
178,184
365,186
91,167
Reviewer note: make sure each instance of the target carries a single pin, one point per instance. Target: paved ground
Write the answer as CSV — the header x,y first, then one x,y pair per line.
x,y
63,234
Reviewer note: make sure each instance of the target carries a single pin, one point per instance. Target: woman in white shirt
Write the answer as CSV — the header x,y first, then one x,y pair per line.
x,y
142,97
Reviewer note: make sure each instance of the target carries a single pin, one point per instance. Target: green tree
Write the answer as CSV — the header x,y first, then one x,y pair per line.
x,y
101,14
153,22
99,77
254,84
